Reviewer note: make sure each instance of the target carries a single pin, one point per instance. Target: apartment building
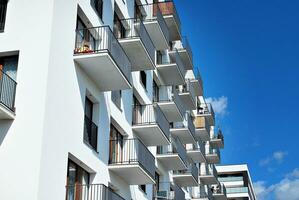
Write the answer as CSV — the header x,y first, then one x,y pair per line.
x,y
237,181
100,100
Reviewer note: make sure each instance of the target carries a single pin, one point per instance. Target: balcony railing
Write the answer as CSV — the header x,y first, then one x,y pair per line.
x,y
99,40
153,14
169,191
192,169
199,146
134,28
132,152
91,192
187,123
7,91
181,45
230,178
175,147
150,114
237,190
198,76
219,136
205,108
168,8
187,87
169,94
90,133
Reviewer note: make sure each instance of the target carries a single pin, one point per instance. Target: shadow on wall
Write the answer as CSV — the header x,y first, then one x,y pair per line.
x,y
102,119
4,127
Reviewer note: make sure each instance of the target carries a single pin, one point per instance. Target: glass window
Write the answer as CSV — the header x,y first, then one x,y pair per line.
x,y
143,78
98,7
3,6
9,65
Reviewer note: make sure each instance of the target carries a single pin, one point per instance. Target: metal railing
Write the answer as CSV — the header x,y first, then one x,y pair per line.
x,y
130,152
237,190
7,91
169,191
187,123
167,8
168,94
176,147
187,88
91,192
90,133
199,146
219,136
101,39
156,15
134,28
150,114
192,170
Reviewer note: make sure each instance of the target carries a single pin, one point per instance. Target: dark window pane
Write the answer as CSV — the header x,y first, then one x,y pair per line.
x,y
3,6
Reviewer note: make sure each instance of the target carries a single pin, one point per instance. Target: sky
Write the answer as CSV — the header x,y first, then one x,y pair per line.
x,y
248,54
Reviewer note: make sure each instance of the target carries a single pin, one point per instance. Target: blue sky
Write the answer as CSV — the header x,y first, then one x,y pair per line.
x,y
248,54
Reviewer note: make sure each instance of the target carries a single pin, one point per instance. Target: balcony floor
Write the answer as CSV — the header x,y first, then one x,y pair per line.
x,y
132,174
5,113
102,69
184,135
207,179
137,54
150,135
170,74
184,180
196,155
171,161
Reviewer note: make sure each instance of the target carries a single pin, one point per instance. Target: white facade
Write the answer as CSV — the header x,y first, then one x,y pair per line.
x,y
67,101
237,181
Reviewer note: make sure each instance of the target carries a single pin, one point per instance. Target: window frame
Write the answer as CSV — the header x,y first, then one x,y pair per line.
x,y
3,13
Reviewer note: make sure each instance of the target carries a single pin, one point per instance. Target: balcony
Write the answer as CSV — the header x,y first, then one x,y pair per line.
x,y
196,152
206,110
156,26
135,40
171,17
102,58
186,93
203,194
91,192
187,177
169,191
241,192
171,71
197,83
212,155
150,125
168,100
131,160
173,156
208,176
7,96
184,49
202,128
185,130
219,192
218,140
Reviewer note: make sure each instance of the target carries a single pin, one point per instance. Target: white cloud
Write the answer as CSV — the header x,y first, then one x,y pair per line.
x,y
277,156
287,188
219,104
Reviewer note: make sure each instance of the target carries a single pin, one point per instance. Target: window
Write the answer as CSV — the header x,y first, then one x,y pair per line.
x,y
142,188
138,13
155,92
143,78
116,145
77,180
116,98
159,58
118,28
85,42
98,7
156,187
3,6
9,65
90,128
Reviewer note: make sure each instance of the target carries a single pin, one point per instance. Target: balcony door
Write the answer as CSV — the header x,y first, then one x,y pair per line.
x,y
116,146
77,182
